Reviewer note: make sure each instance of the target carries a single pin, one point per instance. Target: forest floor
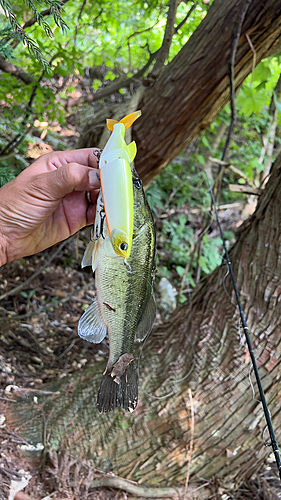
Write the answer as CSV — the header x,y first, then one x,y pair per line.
x,y
39,344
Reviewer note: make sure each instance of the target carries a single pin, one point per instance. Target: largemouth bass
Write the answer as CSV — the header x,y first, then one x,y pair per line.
x,y
124,306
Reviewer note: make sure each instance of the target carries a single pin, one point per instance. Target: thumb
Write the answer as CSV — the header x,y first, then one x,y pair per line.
x,y
71,177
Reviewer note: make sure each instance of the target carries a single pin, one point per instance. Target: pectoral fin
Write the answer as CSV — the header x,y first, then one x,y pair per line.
x,y
87,257
147,320
91,255
91,326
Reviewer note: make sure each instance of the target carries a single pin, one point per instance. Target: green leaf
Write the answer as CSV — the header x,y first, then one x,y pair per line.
x,y
206,142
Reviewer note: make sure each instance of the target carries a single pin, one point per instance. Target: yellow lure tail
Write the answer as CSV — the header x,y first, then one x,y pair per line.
x,y
127,120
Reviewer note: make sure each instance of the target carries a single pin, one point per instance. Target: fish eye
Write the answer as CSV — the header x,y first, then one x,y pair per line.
x,y
137,183
124,247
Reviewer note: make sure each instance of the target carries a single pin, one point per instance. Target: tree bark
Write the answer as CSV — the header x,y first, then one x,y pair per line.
x,y
200,349
194,86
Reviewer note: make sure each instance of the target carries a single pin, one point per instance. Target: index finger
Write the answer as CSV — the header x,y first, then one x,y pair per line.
x,y
82,156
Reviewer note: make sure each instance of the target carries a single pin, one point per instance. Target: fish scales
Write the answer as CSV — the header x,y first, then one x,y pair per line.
x,y
125,289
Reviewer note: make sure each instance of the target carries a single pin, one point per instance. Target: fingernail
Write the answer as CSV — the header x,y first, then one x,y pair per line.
x,y
94,179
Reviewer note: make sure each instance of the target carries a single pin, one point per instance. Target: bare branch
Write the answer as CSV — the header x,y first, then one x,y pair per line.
x,y
185,18
234,169
167,40
123,82
16,71
236,188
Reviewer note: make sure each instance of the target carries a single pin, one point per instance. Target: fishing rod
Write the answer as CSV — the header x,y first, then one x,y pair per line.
x,y
273,441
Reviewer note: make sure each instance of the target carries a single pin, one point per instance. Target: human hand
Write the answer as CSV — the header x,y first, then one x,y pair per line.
x,y
47,203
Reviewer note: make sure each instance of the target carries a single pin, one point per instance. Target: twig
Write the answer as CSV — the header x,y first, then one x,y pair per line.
x,y
8,400
67,349
142,31
254,56
25,390
125,83
18,138
237,188
77,24
191,440
234,169
198,267
195,249
186,17
34,275
139,490
47,307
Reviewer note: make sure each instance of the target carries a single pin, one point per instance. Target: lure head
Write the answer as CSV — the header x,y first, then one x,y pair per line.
x,y
120,243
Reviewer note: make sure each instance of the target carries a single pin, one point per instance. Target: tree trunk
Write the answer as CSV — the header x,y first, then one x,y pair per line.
x,y
200,349
194,86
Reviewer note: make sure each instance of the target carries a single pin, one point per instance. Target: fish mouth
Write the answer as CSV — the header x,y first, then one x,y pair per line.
x,y
120,243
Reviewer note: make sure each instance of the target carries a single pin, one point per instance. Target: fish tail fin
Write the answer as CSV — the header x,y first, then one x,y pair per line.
x,y
125,394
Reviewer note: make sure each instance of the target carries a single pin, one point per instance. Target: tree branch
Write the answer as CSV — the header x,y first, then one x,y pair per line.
x,y
125,83
236,188
18,138
167,40
142,491
16,71
238,26
185,18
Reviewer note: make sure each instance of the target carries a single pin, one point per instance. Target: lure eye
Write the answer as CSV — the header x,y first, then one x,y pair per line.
x,y
124,247
137,183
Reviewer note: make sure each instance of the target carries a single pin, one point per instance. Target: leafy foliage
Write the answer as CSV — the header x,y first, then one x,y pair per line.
x,y
15,31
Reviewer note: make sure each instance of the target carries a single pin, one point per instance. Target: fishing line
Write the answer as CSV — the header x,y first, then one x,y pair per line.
x,y
273,441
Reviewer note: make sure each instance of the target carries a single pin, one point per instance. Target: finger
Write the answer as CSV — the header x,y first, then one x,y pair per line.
x,y
83,156
56,184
